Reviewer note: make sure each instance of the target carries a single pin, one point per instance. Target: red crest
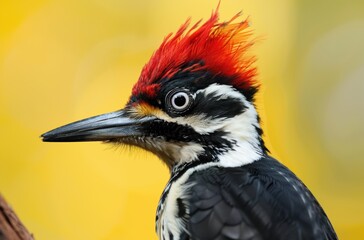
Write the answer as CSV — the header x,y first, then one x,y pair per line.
x,y
221,46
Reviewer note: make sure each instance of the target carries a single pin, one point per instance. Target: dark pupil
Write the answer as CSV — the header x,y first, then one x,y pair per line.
x,y
180,101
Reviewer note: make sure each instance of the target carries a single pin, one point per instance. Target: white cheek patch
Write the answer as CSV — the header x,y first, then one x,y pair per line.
x,y
202,124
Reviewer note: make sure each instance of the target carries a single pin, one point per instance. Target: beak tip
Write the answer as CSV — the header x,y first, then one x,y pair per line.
x,y
46,137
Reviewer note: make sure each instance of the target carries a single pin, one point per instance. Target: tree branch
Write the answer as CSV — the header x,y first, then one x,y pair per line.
x,y
11,227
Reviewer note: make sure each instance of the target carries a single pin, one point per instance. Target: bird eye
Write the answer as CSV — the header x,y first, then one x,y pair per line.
x,y
179,100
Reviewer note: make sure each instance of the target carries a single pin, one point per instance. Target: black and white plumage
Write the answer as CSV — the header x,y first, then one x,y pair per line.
x,y
203,124
261,200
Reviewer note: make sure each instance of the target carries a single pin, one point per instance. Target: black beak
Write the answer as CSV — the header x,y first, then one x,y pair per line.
x,y
105,127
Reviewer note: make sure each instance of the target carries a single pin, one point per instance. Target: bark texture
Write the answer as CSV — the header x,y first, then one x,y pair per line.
x,y
11,227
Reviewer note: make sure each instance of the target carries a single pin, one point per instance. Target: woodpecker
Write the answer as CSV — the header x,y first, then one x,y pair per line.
x,y
193,107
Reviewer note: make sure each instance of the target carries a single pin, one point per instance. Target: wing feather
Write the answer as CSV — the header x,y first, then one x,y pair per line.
x,y
262,200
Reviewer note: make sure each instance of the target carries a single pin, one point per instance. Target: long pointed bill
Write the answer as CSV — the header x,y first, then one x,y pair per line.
x,y
104,127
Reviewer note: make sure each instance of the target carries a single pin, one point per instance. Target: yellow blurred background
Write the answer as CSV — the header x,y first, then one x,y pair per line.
x,y
61,61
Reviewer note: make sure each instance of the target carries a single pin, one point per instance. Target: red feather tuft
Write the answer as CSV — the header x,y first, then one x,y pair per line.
x,y
222,47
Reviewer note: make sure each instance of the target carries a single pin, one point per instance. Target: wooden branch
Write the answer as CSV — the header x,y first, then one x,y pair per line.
x,y
11,227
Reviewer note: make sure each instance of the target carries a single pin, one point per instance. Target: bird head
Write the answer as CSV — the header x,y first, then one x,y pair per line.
x,y
193,102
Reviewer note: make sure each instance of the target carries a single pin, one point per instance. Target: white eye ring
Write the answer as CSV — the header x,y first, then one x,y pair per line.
x,y
179,100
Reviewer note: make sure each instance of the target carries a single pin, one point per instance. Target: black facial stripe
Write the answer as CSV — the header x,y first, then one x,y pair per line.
x,y
174,132
213,106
